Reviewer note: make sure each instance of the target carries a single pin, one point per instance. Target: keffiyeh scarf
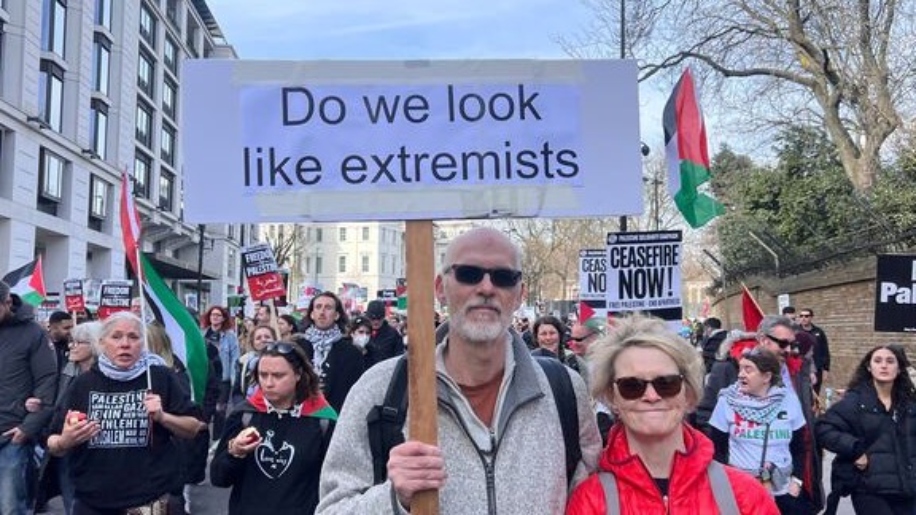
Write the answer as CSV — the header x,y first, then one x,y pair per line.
x,y
147,359
321,343
761,410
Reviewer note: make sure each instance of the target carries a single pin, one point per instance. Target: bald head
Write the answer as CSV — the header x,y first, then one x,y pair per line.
x,y
481,238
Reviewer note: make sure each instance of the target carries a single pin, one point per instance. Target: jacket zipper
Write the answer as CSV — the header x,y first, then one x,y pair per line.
x,y
489,470
488,459
665,503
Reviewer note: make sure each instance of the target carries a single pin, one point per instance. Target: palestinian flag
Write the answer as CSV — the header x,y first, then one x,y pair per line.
x,y
688,155
187,341
28,282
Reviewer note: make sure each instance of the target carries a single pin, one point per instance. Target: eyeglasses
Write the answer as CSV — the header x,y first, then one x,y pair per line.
x,y
781,342
500,277
80,342
580,339
804,316
631,388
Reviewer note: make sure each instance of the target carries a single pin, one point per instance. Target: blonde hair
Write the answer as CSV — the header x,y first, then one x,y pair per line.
x,y
160,343
646,332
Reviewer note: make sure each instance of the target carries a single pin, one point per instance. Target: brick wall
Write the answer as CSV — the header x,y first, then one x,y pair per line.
x,y
843,300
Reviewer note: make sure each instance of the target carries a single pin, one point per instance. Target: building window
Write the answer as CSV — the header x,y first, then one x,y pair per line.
x,y
103,13
342,264
51,179
51,94
101,63
365,234
171,12
2,45
166,190
98,200
170,55
144,124
365,263
318,264
342,234
146,71
147,25
233,259
167,145
142,167
99,123
169,98
53,26
319,234
190,36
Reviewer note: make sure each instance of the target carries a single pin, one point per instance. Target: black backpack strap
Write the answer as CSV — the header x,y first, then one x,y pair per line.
x,y
565,398
386,421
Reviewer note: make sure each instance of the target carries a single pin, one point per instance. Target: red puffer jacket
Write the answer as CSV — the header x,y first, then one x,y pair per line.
x,y
689,491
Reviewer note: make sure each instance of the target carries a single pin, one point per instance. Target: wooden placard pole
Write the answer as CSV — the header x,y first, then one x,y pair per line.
x,y
423,410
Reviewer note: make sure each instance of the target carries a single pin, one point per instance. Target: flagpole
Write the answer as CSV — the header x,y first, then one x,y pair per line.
x,y
149,377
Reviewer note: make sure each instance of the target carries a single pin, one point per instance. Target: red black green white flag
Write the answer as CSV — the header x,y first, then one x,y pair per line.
x,y
28,282
688,155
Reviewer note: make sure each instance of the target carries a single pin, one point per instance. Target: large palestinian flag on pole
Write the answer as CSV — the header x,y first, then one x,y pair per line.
x,y
28,282
688,155
187,341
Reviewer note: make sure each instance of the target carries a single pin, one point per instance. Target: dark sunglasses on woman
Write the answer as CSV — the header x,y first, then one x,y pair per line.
x,y
632,388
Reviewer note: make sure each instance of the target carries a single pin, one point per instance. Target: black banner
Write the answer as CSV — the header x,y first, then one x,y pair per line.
x,y
895,286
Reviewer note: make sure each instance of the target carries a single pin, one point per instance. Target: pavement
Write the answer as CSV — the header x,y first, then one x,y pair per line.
x,y
209,500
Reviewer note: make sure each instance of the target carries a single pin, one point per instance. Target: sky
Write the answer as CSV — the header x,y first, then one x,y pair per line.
x,y
413,29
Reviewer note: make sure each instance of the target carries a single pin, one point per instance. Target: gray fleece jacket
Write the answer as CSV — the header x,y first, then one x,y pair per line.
x,y
524,452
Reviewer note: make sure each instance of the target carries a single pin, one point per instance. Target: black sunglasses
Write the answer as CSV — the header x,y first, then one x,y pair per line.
x,y
632,388
500,277
287,350
580,339
781,342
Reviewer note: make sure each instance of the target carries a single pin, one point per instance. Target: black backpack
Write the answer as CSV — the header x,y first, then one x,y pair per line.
x,y
386,421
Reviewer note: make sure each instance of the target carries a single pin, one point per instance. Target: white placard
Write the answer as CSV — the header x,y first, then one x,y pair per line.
x,y
403,140
592,274
644,273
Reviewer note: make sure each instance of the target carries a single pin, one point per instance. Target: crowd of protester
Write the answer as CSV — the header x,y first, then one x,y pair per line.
x,y
725,420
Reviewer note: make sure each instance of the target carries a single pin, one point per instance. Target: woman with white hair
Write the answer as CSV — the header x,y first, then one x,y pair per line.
x,y
122,416
654,462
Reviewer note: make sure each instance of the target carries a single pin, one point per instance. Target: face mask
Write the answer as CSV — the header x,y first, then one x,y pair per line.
x,y
361,340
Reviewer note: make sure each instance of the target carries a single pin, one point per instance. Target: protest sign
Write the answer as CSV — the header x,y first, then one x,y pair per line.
x,y
74,301
346,141
593,281
261,272
895,294
114,296
644,273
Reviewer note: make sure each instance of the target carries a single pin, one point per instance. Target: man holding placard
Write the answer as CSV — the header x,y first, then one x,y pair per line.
x,y
501,445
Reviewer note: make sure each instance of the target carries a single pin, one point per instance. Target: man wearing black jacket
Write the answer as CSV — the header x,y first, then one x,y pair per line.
x,y
28,368
385,342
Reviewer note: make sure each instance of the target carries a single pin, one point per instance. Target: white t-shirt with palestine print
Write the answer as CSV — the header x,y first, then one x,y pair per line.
x,y
745,438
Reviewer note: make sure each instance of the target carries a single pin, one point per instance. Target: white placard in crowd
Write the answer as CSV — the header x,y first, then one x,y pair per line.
x,y
644,273
592,274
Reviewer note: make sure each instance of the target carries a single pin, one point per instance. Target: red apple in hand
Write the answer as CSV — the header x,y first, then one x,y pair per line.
x,y
75,417
249,435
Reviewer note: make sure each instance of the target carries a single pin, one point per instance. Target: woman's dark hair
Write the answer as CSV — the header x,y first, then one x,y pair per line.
x,y
307,386
903,389
291,320
359,321
548,320
765,361
342,318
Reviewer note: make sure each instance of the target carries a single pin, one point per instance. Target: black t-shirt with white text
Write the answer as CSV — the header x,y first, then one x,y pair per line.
x,y
124,465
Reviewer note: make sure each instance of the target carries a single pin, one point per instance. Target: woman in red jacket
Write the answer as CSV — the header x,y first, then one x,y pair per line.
x,y
655,462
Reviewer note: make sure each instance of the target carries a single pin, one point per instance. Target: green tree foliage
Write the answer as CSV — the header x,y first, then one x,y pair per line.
x,y
804,208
